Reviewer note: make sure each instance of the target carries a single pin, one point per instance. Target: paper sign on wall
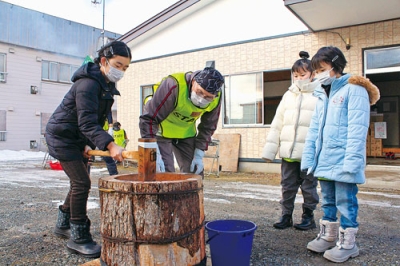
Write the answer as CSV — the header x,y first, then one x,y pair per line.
x,y
380,130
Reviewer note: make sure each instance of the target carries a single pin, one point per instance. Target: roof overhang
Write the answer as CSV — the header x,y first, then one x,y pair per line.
x,y
162,20
320,15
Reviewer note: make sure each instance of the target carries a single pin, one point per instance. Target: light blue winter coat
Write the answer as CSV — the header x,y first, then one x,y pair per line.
x,y
335,146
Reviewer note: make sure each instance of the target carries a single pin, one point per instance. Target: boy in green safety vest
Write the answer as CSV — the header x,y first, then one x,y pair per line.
x,y
119,134
179,102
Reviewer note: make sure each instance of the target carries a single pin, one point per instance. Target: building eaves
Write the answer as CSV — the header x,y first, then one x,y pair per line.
x,y
156,20
327,14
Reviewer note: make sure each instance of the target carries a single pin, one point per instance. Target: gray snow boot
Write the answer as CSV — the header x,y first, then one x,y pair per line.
x,y
81,241
346,246
62,228
326,238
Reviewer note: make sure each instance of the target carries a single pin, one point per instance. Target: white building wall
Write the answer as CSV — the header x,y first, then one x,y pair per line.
x,y
217,22
23,109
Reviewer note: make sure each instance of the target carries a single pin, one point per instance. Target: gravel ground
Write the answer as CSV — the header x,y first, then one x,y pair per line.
x,y
29,197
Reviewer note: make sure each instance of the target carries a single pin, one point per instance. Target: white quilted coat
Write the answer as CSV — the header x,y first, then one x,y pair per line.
x,y
290,124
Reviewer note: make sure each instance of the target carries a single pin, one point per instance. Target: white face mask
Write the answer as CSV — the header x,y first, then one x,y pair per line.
x,y
301,82
325,78
198,100
114,75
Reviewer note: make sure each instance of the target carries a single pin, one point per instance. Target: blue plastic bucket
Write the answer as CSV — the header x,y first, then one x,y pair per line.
x,y
230,242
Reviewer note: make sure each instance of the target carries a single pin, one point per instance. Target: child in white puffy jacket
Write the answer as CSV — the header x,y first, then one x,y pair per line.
x,y
287,134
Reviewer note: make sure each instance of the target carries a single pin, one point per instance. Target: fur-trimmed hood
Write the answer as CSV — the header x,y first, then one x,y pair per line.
x,y
372,90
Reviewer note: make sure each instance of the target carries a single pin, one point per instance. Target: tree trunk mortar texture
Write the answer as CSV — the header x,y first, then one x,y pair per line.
x,y
152,223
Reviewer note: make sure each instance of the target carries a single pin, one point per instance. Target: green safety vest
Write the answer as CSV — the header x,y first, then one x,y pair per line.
x,y
181,122
119,137
105,126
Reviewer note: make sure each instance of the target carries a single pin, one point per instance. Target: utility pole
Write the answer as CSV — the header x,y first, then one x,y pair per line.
x,y
96,2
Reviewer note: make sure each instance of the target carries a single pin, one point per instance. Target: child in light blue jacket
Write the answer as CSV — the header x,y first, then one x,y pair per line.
x,y
335,150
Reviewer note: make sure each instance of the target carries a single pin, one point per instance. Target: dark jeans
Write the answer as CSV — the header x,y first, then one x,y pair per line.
x,y
183,149
78,193
293,179
111,165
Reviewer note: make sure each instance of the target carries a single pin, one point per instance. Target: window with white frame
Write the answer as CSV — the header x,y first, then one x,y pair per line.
x,y
3,73
382,60
57,72
243,98
3,125
145,91
65,73
250,100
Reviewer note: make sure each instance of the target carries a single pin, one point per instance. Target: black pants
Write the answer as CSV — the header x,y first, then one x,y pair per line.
x,y
183,149
292,180
78,193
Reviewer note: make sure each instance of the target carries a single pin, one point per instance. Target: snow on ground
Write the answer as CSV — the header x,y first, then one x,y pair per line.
x,y
7,155
28,164
30,173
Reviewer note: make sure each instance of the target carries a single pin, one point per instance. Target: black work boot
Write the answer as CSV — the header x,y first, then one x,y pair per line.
x,y
285,222
307,220
62,228
81,241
